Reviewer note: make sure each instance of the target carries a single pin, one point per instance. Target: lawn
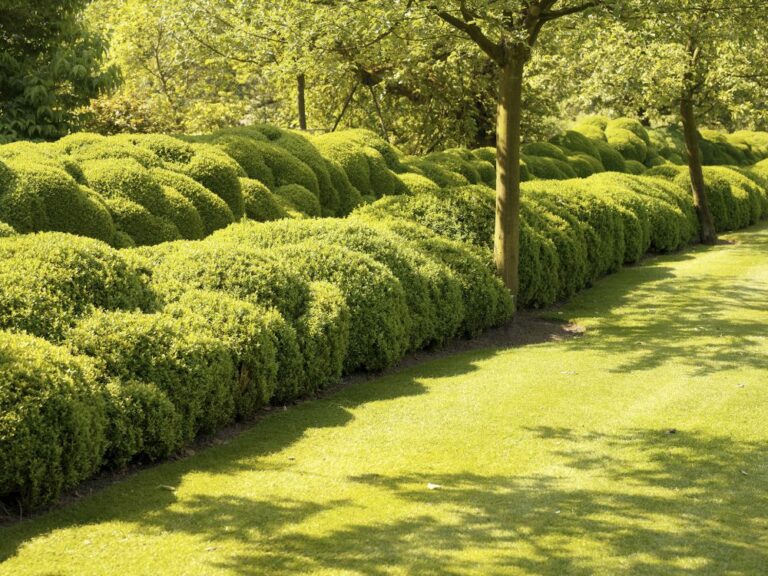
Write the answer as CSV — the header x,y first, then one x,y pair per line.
x,y
638,448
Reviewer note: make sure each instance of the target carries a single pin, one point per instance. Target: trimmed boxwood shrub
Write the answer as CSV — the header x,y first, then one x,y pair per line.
x,y
324,333
486,154
349,196
544,150
139,224
184,215
575,142
454,162
218,172
193,369
546,168
260,204
379,317
52,420
249,155
418,184
431,293
440,175
627,143
300,198
243,329
213,211
749,196
285,168
142,423
634,167
166,148
611,159
48,280
585,165
126,178
41,197
486,302
6,230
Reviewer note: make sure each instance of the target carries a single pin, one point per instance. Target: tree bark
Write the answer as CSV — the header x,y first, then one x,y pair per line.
x,y
506,248
708,235
301,82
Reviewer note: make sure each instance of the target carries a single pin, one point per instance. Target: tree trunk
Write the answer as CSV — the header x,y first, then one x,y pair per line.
x,y
693,151
506,248
301,82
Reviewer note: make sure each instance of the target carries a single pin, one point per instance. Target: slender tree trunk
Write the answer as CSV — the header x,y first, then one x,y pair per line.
x,y
690,130
506,247
301,82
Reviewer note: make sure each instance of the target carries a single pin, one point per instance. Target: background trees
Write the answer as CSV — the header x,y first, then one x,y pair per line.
x,y
50,66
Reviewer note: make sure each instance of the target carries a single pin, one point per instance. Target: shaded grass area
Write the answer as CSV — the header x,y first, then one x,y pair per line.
x,y
639,448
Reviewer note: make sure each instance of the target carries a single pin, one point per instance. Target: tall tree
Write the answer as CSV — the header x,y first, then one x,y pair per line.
x,y
50,66
507,32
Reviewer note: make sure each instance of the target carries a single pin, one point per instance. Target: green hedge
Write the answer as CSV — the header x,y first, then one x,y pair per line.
x,y
52,420
49,280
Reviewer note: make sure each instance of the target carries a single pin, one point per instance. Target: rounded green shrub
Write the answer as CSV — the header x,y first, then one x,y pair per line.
x,y
584,165
379,317
6,230
634,167
324,333
544,150
486,154
139,224
45,198
217,172
575,142
454,162
417,184
300,198
184,215
166,148
349,196
260,204
125,178
52,420
594,133
546,168
193,369
48,280
243,271
631,125
243,329
486,302
286,168
142,423
423,280
628,144
440,175
611,159
249,155
213,211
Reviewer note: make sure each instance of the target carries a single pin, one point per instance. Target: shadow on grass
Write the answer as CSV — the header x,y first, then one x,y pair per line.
x,y
650,316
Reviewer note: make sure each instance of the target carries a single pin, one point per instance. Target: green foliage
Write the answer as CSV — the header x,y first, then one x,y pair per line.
x,y
213,211
41,197
544,150
299,198
379,317
217,172
244,330
417,184
440,175
610,158
51,66
138,225
628,144
6,230
635,167
193,369
52,419
49,280
260,204
546,168
183,214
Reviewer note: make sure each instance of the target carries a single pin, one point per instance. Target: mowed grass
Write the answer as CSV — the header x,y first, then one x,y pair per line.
x,y
639,448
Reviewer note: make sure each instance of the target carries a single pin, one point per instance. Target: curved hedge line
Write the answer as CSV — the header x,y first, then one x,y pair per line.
x,y
141,350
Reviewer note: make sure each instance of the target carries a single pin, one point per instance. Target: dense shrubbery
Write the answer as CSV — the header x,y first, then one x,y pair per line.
x,y
205,319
